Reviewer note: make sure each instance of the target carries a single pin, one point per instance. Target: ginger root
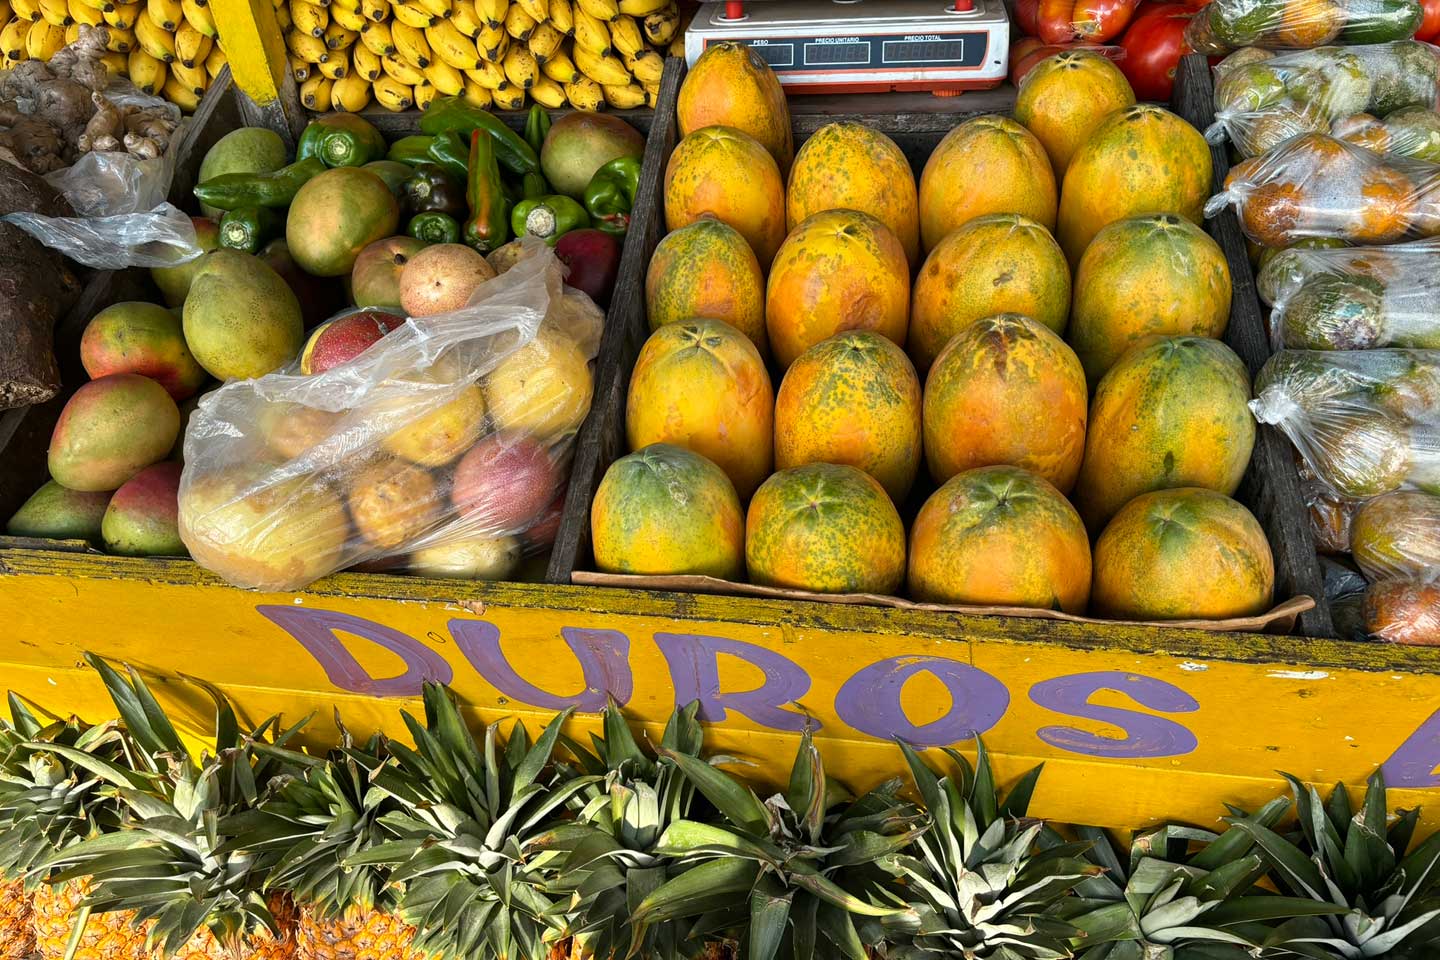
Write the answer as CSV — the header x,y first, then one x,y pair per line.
x,y
36,143
142,147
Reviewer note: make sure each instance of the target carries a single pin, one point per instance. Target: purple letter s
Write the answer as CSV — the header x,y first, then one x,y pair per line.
x,y
1146,736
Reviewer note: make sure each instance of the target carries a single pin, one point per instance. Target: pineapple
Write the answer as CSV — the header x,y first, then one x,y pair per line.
x,y
192,890
17,935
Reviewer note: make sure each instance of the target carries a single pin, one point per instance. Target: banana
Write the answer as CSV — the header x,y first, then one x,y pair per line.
x,y
605,10
402,71
438,8
147,73
366,62
493,43
119,41
476,95
12,40
424,94
392,94
411,14
56,13
445,78
81,13
492,12
606,70
641,8
6,13
545,41
548,93
520,67
377,39
411,45
159,43
660,27
165,14
191,46
216,62
26,9
104,6
282,17
198,15
335,68
315,92
352,20
486,74
585,94
306,47
308,18
377,11
677,46
350,94
630,96
561,16
652,95
590,34
539,10
123,15
518,23
647,67
626,38
72,32
465,19
115,63
191,78
180,95
452,47
338,38
349,6
299,69
560,68
508,97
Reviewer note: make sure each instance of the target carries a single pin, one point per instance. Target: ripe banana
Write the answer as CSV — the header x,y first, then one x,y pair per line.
x,y
180,95
299,69
606,70
411,14
437,8
346,19
606,10
6,13
282,17
350,94
520,67
424,94
626,38
508,97
561,16
451,46
366,62
641,8
585,94
123,15
377,38
198,16
119,41
545,41
307,48
402,71
486,74
411,45
159,43
647,67
56,13
315,92
377,11
147,73
476,95
72,33
560,68
591,33
539,10
660,27
191,78
652,94
630,96
81,13
548,93
336,67
492,12
465,19
493,43
392,94
104,6
445,78
165,14
518,23
114,62
308,18
349,6
216,62
12,40
26,9
191,46
338,38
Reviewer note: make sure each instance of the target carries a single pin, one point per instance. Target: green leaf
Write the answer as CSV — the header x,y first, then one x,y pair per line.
x,y
539,755
831,892
685,838
143,718
620,745
769,915
983,795
1289,862
1261,908
678,896
735,801
806,796
1234,843
1017,801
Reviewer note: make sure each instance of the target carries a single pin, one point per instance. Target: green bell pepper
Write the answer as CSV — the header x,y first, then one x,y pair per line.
x,y
231,190
452,115
488,226
548,218
341,140
446,151
610,196
250,228
434,227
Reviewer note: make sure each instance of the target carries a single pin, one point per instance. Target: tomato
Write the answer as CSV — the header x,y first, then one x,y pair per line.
x,y
1027,13
1101,20
1153,47
1430,25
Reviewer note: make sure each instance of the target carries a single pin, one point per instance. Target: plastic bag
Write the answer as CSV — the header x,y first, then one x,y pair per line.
x,y
446,443
123,219
1408,132
1366,421
1317,186
1225,25
1355,298
1397,536
1345,594
1261,101
1404,611
1331,515
1066,21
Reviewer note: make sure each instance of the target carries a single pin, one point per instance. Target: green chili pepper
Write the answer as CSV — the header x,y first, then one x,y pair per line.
x,y
533,186
537,128
488,226
394,174
432,190
434,227
231,190
454,116
548,218
250,228
446,151
611,194
341,140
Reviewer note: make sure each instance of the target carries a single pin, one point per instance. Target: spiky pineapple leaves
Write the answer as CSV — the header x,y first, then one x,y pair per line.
x,y
773,865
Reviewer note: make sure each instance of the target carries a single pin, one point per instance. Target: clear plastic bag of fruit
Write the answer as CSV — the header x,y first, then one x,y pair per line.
x,y
1367,422
1315,186
1226,25
1408,132
1263,99
443,446
1355,298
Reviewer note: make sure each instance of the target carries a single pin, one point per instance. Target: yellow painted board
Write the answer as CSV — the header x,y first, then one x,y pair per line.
x,y
254,46
1133,725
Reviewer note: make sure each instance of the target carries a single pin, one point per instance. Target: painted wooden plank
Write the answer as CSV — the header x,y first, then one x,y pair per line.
x,y
254,47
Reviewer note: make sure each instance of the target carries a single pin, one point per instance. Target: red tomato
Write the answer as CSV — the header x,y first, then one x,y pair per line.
x,y
1027,13
1430,25
1153,47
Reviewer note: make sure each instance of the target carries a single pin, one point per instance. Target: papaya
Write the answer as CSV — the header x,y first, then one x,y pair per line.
x,y
731,86
1142,159
1000,263
989,164
1000,536
664,510
337,214
1157,274
1172,412
1180,554
701,385
849,166
727,174
1064,99
706,269
826,528
853,399
1006,390
1397,536
839,270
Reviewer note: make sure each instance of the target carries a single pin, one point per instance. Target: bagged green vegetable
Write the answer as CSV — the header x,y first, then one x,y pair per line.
x,y
1225,25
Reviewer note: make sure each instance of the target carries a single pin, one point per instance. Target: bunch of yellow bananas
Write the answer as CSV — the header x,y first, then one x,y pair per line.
x,y
166,47
405,53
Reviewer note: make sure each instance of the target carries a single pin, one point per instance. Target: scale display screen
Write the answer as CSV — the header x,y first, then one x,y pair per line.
x,y
870,52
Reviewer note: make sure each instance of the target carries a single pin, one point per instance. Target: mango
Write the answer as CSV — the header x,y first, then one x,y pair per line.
x,y
111,429
241,318
174,282
57,513
141,520
143,338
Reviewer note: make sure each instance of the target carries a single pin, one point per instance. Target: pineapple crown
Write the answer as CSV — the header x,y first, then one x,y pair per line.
x,y
173,863
465,811
775,863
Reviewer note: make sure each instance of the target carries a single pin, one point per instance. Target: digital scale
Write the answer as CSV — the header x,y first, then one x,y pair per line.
x,y
864,46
